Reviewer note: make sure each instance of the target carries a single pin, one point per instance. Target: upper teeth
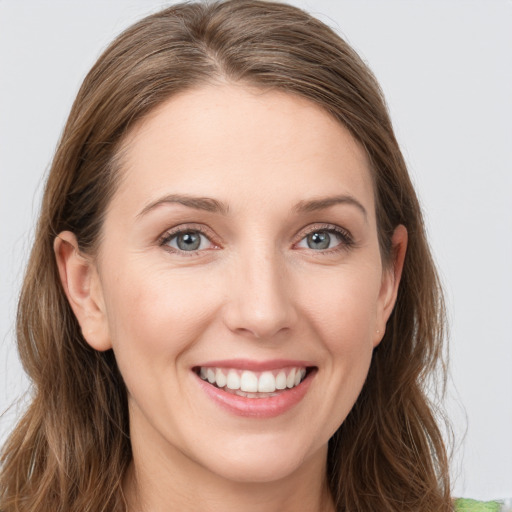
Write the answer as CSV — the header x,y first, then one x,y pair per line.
x,y
253,382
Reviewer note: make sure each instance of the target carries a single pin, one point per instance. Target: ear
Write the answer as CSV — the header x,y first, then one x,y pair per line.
x,y
390,281
82,287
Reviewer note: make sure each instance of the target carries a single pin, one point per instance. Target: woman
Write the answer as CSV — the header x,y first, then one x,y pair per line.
x,y
230,301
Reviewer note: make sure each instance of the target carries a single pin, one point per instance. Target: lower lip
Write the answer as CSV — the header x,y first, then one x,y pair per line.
x,y
258,407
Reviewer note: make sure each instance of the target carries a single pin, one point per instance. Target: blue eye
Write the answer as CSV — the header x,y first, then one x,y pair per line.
x,y
193,241
325,239
187,241
319,240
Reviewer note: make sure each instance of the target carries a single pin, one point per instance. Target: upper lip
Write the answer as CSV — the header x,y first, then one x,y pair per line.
x,y
256,366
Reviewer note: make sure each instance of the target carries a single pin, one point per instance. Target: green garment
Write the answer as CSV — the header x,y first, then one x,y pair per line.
x,y
464,505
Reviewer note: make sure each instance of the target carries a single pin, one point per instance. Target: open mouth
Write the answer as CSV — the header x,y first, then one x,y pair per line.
x,y
251,384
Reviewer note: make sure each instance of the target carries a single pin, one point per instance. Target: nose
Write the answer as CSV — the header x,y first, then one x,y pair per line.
x,y
260,297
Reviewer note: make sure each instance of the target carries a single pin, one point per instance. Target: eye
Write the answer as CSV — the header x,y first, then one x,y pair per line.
x,y
187,240
324,239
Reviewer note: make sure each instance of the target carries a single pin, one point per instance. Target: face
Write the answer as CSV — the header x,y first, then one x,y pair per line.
x,y
239,281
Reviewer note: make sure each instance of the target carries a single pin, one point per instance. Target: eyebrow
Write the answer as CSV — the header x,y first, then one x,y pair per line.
x,y
199,203
214,206
326,202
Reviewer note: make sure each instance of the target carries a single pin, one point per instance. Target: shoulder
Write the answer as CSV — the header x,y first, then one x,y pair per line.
x,y
466,505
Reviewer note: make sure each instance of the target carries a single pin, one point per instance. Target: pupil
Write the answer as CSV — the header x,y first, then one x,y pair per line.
x,y
319,240
189,241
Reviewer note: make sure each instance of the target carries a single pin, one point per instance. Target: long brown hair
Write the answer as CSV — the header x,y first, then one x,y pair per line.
x,y
71,449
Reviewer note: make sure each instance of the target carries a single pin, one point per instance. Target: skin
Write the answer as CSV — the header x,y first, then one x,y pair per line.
x,y
255,289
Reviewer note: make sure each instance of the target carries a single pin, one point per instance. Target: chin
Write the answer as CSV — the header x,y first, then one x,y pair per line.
x,y
262,460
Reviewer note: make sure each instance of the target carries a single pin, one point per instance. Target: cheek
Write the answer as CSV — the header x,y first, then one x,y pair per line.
x,y
342,310
156,315
342,306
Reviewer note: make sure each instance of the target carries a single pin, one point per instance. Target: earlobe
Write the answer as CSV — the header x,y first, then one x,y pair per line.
x,y
81,284
391,280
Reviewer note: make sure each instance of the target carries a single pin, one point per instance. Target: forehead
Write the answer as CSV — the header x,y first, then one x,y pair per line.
x,y
237,143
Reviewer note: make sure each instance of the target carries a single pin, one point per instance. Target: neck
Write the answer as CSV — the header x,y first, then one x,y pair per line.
x,y
174,482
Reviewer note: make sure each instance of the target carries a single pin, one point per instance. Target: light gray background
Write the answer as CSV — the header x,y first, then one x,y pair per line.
x,y
446,69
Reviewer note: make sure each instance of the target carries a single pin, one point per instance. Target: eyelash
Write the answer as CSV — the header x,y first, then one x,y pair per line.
x,y
346,243
346,239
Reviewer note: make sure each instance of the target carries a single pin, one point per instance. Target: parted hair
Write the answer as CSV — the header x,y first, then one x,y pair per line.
x,y
70,450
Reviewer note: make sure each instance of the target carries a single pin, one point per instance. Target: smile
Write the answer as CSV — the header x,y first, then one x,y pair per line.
x,y
252,384
257,390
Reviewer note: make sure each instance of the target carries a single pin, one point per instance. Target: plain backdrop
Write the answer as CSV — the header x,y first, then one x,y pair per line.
x,y
446,69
